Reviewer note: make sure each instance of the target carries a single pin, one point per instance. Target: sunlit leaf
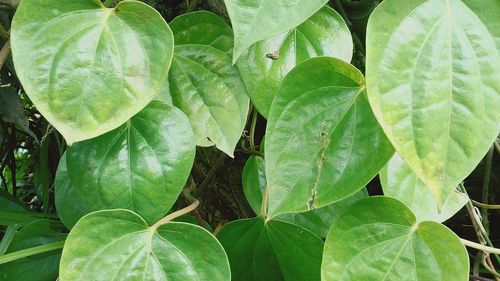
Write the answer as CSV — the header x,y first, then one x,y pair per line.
x,y
255,20
398,181
87,68
434,84
265,64
119,245
379,239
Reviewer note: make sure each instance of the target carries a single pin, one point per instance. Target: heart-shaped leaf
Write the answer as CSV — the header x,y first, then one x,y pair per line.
x,y
398,181
142,166
379,239
203,28
434,84
119,245
318,221
268,61
41,267
271,251
78,60
255,20
322,141
204,84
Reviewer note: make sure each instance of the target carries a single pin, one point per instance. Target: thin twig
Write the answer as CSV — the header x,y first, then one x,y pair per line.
x,y
485,206
480,247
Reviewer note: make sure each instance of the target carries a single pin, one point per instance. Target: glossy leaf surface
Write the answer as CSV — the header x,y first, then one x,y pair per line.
x,y
207,87
322,141
271,251
380,240
142,166
255,20
78,60
41,267
318,221
254,182
398,181
323,34
119,245
434,84
203,28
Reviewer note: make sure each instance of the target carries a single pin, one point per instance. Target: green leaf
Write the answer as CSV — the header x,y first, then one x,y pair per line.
x,y
398,181
254,182
87,68
271,251
12,111
142,166
379,239
203,28
323,143
42,267
255,20
324,34
318,221
434,85
119,245
205,85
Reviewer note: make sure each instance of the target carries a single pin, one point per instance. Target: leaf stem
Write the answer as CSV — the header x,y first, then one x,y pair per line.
x,y
485,206
480,247
486,188
176,214
31,251
252,129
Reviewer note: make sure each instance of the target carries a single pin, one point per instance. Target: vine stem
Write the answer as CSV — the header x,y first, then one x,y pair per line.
x,y
176,214
31,251
480,247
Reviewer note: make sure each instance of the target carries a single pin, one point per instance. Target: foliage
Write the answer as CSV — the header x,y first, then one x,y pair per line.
x,y
258,117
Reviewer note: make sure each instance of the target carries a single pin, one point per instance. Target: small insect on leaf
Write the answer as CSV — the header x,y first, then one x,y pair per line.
x,y
274,55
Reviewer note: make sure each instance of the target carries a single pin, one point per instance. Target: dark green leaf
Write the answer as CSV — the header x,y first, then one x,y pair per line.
x,y
142,166
42,267
271,251
322,141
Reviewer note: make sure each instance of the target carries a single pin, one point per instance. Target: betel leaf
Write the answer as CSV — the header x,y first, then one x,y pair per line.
x,y
322,141
434,85
41,267
255,20
142,166
254,183
265,64
398,181
379,239
119,245
318,221
271,251
205,85
78,60
203,28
